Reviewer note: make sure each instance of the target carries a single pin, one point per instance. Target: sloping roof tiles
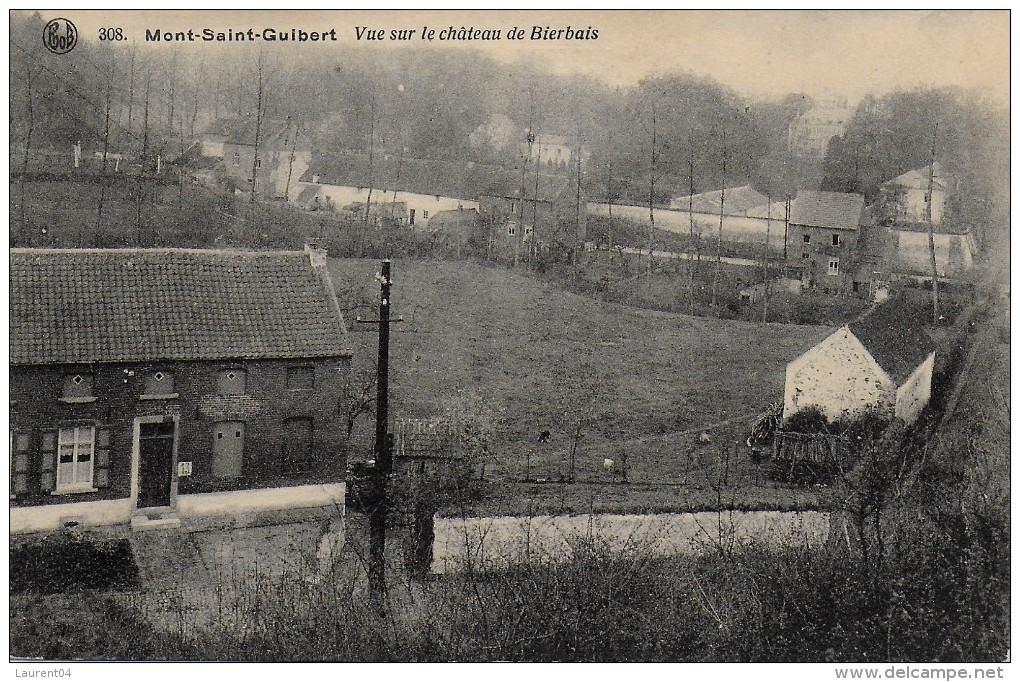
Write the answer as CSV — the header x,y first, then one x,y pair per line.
x,y
738,201
894,334
827,209
111,305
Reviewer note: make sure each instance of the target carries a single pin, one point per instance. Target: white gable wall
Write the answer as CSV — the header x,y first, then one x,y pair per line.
x,y
915,392
839,377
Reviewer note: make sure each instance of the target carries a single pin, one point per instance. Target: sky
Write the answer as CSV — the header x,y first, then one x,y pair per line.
x,y
827,54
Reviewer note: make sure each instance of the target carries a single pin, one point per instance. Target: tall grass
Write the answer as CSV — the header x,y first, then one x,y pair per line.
x,y
940,596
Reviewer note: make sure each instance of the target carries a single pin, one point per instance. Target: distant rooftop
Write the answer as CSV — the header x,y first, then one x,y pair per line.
x,y
827,209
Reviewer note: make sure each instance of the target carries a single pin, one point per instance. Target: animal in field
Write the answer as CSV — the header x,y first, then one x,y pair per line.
x,y
544,436
608,464
704,438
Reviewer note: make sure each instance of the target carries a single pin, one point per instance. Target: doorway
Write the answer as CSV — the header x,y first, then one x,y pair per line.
x,y
155,463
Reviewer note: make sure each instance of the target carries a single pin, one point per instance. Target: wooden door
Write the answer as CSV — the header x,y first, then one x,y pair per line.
x,y
156,461
228,449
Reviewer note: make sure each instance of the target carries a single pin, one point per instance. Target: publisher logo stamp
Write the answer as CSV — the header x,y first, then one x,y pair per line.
x,y
60,36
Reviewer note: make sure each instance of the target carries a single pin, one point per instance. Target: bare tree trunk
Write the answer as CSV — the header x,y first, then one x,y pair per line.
x,y
290,166
371,157
765,280
651,199
141,188
258,127
106,153
30,82
131,93
194,103
936,316
690,215
718,244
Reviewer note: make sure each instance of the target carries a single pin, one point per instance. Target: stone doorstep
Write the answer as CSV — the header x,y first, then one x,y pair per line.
x,y
154,520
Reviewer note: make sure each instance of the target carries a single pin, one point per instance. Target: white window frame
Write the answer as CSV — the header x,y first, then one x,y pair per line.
x,y
511,230
836,239
833,266
76,475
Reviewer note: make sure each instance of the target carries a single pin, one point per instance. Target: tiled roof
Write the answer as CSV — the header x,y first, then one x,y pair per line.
x,y
241,130
894,333
453,179
737,202
827,209
110,305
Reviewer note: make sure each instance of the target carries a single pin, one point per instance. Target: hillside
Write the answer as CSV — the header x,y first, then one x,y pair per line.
x,y
538,354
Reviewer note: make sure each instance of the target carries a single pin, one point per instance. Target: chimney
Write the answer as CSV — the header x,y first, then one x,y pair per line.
x,y
316,254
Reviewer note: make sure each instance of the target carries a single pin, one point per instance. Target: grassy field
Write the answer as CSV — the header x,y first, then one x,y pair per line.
x,y
643,384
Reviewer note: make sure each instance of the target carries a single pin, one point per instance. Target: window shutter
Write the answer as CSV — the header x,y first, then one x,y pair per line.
x,y
19,461
101,471
48,466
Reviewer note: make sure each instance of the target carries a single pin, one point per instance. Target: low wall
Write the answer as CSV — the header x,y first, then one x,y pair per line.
x,y
495,542
735,228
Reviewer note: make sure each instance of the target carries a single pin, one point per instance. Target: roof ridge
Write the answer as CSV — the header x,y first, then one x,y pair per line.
x,y
157,250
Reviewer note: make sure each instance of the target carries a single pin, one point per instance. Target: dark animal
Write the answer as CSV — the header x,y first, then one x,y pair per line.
x,y
544,436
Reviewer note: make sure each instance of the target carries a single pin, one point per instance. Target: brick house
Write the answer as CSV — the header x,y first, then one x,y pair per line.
x,y
155,386
882,361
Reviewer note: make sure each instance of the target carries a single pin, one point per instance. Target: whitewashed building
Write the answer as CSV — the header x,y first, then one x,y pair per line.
x,y
882,361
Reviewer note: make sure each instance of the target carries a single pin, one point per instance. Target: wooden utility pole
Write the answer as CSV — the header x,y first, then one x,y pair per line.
x,y
931,229
383,447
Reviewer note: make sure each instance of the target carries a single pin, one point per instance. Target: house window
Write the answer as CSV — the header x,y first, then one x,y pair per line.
x,y
424,215
807,239
528,229
160,382
835,239
258,163
237,158
78,388
833,266
299,378
74,458
857,289
511,230
804,254
297,444
231,382
513,207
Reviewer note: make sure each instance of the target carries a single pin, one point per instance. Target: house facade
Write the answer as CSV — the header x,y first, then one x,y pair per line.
x,y
822,240
883,362
155,387
905,197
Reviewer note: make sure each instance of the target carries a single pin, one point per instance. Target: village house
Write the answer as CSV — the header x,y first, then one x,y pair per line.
x,y
905,197
882,361
404,191
280,161
159,387
534,212
822,240
556,153
903,209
